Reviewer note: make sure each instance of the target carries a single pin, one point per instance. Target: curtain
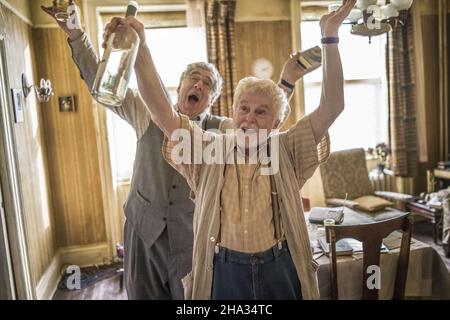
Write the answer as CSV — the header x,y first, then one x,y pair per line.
x,y
402,99
220,31
195,20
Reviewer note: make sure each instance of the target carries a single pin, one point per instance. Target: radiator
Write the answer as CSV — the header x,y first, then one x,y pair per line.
x,y
382,180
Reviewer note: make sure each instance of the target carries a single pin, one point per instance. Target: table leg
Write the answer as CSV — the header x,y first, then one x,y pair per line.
x,y
437,229
435,232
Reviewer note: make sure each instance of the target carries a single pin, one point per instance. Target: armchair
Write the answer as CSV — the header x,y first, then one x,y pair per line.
x,y
346,172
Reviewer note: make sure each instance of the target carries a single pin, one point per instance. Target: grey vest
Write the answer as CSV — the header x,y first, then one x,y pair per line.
x,y
159,195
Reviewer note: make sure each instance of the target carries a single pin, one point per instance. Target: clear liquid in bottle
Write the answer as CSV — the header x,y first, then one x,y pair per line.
x,y
115,68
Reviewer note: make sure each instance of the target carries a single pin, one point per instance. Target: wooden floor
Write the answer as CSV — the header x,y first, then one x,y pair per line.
x,y
109,289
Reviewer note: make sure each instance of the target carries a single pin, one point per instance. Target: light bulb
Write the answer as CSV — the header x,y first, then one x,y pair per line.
x,y
333,7
364,4
389,11
402,4
355,15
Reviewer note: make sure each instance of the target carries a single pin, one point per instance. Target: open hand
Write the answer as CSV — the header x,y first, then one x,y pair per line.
x,y
330,23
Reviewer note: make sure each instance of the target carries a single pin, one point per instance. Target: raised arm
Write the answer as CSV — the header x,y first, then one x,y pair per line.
x,y
332,98
154,94
133,109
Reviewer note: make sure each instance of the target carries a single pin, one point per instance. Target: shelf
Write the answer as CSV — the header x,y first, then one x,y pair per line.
x,y
442,174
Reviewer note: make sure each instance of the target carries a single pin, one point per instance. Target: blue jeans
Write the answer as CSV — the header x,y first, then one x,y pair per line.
x,y
268,275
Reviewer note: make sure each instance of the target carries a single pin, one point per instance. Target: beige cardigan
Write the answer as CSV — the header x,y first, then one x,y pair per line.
x,y
198,283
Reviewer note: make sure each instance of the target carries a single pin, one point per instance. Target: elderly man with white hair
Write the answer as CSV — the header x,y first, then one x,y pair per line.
x,y
250,236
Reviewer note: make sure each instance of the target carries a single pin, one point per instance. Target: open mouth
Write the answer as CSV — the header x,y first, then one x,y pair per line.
x,y
248,130
193,98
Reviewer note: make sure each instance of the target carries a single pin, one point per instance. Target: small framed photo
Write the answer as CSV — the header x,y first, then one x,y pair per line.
x,y
67,104
17,105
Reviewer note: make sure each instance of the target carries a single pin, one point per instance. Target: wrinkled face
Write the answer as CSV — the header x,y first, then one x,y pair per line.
x,y
196,92
252,113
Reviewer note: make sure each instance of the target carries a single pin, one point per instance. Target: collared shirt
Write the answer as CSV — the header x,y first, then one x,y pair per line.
x,y
247,223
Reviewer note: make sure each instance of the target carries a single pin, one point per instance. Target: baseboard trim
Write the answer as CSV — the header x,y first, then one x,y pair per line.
x,y
82,256
48,283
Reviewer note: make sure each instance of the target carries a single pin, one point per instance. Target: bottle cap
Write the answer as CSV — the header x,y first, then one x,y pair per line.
x,y
328,222
132,8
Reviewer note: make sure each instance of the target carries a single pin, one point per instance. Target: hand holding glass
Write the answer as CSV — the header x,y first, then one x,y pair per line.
x,y
60,7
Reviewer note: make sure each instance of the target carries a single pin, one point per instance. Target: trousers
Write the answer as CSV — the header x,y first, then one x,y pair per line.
x,y
268,275
152,272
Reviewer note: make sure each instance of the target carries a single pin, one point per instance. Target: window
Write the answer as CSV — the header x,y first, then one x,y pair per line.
x,y
365,118
172,50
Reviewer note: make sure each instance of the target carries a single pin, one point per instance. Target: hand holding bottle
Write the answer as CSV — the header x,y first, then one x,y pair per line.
x,y
330,23
122,39
128,22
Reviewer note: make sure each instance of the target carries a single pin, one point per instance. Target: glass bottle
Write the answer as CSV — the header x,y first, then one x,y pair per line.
x,y
115,68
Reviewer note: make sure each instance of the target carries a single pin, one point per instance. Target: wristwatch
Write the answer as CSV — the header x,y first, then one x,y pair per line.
x,y
329,40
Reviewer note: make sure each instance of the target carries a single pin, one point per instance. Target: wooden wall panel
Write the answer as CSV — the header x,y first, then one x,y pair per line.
x,y
31,151
72,148
263,39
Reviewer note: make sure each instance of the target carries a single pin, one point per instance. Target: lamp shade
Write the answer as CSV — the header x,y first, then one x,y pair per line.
x,y
354,15
333,7
402,4
389,11
364,4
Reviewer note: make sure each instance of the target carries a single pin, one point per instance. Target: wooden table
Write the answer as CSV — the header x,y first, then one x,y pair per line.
x,y
427,273
433,215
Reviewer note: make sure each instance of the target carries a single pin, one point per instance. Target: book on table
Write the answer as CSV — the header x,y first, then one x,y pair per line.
x,y
346,247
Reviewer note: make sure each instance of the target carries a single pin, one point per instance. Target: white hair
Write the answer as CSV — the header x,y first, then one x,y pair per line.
x,y
266,88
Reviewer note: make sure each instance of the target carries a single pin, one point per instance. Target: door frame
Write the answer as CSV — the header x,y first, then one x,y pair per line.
x,y
7,288
20,274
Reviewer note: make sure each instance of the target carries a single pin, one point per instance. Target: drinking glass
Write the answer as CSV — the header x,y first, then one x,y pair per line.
x,y
60,7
